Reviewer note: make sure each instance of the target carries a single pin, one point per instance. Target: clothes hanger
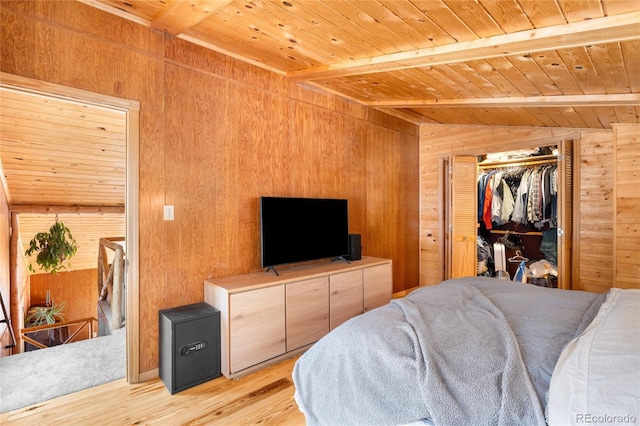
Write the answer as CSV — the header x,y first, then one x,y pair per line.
x,y
518,257
505,239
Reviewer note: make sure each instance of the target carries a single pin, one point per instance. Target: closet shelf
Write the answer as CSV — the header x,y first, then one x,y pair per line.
x,y
528,161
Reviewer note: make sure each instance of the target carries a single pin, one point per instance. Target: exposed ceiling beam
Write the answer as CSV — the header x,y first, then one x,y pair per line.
x,y
180,15
514,102
116,11
605,30
42,209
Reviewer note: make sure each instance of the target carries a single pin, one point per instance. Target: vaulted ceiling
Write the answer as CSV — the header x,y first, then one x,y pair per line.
x,y
557,63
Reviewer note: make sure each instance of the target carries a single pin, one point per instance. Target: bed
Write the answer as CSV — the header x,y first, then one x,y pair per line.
x,y
479,351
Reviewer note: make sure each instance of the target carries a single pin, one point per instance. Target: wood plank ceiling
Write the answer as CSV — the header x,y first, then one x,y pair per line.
x,y
66,159
552,63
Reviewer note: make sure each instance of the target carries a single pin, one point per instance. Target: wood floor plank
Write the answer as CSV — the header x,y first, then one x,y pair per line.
x,y
264,397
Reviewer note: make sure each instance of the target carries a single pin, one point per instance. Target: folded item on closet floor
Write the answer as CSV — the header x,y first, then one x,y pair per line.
x,y
541,268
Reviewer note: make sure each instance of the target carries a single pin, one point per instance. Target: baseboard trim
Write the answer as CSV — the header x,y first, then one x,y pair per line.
x,y
150,375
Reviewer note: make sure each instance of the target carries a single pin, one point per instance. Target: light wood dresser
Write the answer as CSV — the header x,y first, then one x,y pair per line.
x,y
265,318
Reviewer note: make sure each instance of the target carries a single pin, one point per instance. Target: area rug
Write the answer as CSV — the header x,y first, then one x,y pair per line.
x,y
32,377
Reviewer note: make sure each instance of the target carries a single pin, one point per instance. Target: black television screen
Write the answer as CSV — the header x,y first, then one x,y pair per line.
x,y
301,229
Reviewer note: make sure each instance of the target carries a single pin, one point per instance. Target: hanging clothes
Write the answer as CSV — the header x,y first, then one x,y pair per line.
x,y
508,203
483,180
526,195
496,200
486,208
520,209
533,203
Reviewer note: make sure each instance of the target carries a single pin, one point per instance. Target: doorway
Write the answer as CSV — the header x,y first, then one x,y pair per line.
x,y
130,113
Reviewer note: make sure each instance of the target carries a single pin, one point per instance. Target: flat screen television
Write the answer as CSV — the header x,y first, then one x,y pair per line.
x,y
301,229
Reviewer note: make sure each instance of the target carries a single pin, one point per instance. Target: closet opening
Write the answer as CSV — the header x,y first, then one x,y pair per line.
x,y
518,216
509,215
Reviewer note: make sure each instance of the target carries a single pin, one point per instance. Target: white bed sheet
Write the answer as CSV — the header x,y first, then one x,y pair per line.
x,y
597,377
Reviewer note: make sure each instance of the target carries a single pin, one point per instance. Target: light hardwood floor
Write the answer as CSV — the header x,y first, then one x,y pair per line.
x,y
264,397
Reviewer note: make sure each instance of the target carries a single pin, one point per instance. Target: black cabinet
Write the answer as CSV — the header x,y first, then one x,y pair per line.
x,y
189,345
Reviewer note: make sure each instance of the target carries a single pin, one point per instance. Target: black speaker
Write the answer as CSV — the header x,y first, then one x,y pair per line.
x,y
355,247
189,346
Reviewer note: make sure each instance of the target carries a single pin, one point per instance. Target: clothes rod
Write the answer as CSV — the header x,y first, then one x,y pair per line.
x,y
500,231
530,161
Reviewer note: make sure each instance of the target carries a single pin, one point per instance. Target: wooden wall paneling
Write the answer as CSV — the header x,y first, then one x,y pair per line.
x,y
263,134
380,204
310,127
431,206
627,205
93,23
181,144
593,218
353,148
594,230
392,197
408,244
119,59
77,289
382,119
136,69
152,260
473,140
5,267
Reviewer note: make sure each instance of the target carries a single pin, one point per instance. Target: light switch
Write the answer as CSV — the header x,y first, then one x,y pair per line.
x,y
168,212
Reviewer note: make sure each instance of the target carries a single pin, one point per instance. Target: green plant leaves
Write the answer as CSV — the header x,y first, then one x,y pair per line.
x,y
53,248
40,315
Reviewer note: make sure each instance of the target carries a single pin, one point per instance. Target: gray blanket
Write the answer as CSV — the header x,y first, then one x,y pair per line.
x,y
468,351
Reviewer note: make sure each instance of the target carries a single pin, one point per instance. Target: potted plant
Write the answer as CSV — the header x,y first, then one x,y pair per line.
x,y
49,313
40,315
53,248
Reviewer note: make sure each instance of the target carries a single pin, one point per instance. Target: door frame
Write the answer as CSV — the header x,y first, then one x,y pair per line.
x,y
131,109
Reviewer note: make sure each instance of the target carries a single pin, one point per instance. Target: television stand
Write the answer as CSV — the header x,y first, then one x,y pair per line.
x,y
341,258
273,268
265,318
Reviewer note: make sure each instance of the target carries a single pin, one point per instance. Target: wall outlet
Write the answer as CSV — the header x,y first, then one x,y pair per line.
x,y
168,212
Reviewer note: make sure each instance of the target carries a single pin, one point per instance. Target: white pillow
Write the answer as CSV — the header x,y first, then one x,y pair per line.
x,y
597,377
